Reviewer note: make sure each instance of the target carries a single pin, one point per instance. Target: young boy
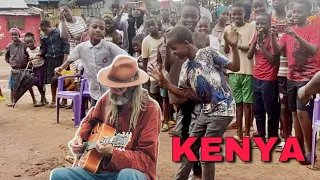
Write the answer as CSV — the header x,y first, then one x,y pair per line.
x,y
111,33
17,56
201,79
301,45
55,51
136,46
149,50
265,79
241,81
203,27
279,19
95,54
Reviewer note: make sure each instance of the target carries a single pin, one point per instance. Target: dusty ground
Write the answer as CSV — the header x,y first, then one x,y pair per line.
x,y
32,144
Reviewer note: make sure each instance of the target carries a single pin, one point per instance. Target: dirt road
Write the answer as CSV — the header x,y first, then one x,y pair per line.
x,y
32,144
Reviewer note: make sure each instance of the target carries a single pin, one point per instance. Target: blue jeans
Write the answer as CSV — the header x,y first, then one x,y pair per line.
x,y
79,173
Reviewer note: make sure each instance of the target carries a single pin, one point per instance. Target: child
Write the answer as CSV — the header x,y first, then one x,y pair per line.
x,y
301,45
265,79
111,34
149,51
164,92
241,81
95,54
204,28
38,66
260,6
279,19
136,46
223,16
18,57
55,50
201,79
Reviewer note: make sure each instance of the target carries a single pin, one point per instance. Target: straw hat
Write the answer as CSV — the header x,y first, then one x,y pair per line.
x,y
123,72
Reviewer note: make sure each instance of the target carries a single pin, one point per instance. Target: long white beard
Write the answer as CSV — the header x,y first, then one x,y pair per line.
x,y
124,98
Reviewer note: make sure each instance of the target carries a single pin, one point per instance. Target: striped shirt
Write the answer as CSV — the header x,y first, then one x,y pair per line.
x,y
283,67
74,29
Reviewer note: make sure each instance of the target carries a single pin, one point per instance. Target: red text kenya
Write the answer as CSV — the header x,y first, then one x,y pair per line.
x,y
210,145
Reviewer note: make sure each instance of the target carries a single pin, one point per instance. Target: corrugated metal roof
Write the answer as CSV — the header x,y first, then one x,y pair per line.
x,y
13,4
19,12
32,2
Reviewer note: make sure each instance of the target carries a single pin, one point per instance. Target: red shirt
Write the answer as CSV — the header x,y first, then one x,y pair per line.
x,y
263,69
142,151
301,65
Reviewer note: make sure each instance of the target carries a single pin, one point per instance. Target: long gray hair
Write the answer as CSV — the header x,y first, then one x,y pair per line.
x,y
139,97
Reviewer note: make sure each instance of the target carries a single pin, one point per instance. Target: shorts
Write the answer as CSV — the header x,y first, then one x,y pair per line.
x,y
283,90
241,87
294,101
154,87
164,93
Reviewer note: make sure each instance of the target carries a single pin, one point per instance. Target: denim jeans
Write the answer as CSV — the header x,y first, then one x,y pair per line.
x,y
79,173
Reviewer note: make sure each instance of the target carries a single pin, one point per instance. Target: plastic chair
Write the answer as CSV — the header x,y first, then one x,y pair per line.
x,y
315,127
74,95
84,95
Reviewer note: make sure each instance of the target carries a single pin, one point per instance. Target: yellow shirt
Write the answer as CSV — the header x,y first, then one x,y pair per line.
x,y
69,83
246,33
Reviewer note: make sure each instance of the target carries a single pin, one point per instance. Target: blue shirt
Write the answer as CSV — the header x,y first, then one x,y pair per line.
x,y
204,75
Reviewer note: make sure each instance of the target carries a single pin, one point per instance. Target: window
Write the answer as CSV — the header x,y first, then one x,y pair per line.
x,y
15,22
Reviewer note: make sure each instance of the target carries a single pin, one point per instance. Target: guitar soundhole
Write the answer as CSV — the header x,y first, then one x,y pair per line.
x,y
92,132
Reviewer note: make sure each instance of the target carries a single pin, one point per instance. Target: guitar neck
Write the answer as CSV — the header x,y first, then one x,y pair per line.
x,y
92,144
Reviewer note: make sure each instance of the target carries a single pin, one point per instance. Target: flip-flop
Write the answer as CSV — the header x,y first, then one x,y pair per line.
x,y
51,105
165,128
279,147
38,104
9,105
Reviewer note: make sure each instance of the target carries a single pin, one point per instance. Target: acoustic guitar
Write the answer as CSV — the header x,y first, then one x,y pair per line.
x,y
89,158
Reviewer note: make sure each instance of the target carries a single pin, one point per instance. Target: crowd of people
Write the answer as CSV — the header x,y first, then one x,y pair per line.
x,y
143,69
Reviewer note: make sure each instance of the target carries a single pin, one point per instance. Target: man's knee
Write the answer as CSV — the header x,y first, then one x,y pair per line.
x,y
131,174
59,173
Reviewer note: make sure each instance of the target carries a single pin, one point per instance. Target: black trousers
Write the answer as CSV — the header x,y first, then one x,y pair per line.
x,y
265,95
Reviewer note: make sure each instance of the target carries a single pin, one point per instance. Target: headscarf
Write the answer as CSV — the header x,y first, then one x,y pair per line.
x,y
15,30
220,9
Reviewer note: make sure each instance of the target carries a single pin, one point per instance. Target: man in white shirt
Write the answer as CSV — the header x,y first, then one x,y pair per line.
x,y
203,11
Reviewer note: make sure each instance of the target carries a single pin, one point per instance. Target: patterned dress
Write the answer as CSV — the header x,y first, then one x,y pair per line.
x,y
204,75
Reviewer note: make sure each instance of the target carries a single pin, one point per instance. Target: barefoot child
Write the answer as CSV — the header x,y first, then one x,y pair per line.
x,y
203,27
265,79
241,81
301,44
149,50
136,46
111,33
38,66
95,54
201,79
55,50
18,57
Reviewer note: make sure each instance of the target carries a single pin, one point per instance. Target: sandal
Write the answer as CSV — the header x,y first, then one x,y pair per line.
x,y
51,105
237,138
279,147
165,128
68,107
9,105
38,104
